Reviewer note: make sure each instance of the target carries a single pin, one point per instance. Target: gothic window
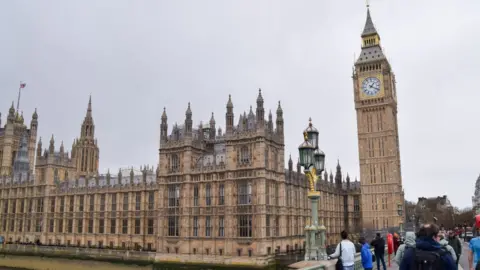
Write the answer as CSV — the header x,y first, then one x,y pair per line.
x,y
277,226
102,203
66,176
244,191
56,179
174,196
137,226
92,203
245,226
221,226
208,195
175,163
244,155
125,226
267,193
114,202
52,205
173,226
125,201
221,195
138,201
151,200
195,226
195,195
267,222
150,226
208,226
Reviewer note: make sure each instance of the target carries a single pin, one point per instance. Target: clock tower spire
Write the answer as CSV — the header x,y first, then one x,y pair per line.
x,y
377,129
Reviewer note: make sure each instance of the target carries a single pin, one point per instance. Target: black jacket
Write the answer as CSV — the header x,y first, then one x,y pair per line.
x,y
378,245
455,243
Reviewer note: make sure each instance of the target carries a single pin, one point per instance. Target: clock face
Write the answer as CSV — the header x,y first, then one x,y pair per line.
x,y
371,86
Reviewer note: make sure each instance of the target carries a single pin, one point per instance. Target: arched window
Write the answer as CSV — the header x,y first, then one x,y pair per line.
x,y
244,155
175,162
55,176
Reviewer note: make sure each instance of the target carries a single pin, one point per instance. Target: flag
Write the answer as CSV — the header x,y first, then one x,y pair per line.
x,y
22,85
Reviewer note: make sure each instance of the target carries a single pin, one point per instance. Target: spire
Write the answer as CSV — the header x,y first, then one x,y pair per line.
x,y
39,147
229,103
189,111
89,109
51,149
164,114
62,149
290,163
369,28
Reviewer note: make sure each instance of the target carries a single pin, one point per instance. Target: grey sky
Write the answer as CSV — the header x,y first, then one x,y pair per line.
x,y
135,57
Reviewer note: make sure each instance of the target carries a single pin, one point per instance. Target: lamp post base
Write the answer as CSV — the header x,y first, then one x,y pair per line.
x,y
315,234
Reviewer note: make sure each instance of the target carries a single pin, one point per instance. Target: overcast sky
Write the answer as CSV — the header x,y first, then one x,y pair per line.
x,y
135,57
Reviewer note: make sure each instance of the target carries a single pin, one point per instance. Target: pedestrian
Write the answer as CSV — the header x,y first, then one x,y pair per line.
x,y
428,253
442,241
366,254
409,243
474,251
455,243
396,242
378,245
345,252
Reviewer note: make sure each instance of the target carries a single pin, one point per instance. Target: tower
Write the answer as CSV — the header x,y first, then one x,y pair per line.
x,y
86,149
378,144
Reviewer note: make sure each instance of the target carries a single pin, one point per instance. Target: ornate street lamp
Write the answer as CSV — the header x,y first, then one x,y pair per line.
x,y
313,161
414,222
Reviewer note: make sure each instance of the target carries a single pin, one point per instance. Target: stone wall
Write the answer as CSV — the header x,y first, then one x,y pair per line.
x,y
133,257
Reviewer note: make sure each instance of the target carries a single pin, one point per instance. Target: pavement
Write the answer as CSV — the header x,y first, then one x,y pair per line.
x,y
463,262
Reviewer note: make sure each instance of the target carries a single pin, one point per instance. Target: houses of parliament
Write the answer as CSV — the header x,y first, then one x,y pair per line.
x,y
216,195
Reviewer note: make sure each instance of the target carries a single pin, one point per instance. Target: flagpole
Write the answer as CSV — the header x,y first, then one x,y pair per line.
x,y
19,91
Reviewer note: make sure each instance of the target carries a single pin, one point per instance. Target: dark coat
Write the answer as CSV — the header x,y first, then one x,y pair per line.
x,y
378,245
428,245
455,243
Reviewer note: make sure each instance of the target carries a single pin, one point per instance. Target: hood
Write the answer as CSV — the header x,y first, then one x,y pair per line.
x,y
366,246
410,239
443,242
428,244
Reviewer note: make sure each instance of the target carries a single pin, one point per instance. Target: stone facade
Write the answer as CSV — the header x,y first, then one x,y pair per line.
x,y
10,137
214,193
379,151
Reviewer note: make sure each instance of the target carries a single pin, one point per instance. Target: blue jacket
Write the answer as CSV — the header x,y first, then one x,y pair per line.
x,y
430,245
366,254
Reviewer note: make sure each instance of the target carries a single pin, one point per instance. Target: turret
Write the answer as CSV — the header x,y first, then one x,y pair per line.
x,y
164,127
270,122
11,114
290,164
279,120
108,177
39,147
338,175
325,176
260,112
348,182
62,149
229,117
331,177
188,122
51,148
212,127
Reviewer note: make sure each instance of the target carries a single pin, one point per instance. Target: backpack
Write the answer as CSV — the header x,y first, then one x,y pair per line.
x,y
429,260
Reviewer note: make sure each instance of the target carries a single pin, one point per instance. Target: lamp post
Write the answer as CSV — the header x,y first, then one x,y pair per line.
x,y
313,161
400,214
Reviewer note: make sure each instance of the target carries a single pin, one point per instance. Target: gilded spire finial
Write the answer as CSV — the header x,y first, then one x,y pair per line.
x,y
310,121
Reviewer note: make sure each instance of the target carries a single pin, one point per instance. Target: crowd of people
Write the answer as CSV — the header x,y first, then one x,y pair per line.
x,y
429,248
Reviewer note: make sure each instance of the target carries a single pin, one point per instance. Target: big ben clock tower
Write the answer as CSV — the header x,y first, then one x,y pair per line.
x,y
378,144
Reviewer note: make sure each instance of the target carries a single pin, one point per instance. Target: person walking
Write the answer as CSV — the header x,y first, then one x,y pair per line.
x,y
428,253
455,243
474,251
345,252
409,243
366,254
378,245
442,241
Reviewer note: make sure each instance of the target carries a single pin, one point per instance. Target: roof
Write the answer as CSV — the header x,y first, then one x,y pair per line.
x,y
369,28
